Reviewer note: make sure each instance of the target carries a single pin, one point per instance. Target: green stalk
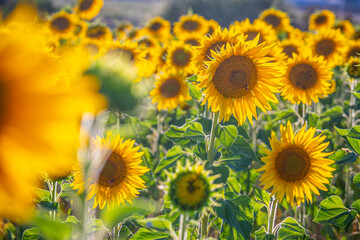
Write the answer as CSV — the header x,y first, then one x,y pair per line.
x,y
53,197
183,230
210,151
204,226
271,220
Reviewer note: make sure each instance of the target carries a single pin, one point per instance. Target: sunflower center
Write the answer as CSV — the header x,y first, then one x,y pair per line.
x,y
96,32
354,52
357,35
85,4
215,47
325,47
320,19
235,77
181,58
192,42
303,76
354,70
190,25
211,30
292,163
252,35
340,27
170,88
60,23
289,50
155,26
272,20
113,172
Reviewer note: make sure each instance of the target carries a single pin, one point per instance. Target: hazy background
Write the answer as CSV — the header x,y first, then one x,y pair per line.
x,y
138,12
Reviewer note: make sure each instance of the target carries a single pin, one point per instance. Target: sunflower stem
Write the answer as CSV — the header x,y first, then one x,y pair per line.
x,y
53,197
212,138
204,226
183,230
271,220
158,131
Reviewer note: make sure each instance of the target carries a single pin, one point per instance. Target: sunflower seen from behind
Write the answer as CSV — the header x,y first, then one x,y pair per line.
x,y
306,79
118,178
88,9
296,166
241,78
170,90
277,19
324,19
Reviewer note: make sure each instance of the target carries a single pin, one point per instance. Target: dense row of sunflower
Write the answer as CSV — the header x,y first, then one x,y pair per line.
x,y
192,165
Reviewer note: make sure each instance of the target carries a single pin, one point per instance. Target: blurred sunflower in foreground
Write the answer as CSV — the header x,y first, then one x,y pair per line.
x,y
43,97
118,179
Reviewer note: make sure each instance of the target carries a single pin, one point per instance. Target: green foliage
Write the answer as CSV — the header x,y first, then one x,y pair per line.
x,y
174,155
352,137
291,229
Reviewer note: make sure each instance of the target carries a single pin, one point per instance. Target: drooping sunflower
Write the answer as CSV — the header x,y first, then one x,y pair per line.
x,y
170,90
192,188
62,24
191,24
330,44
99,32
119,176
159,28
211,43
321,20
345,27
296,165
291,46
240,78
212,26
353,49
251,30
279,20
88,9
42,101
307,78
179,57
353,67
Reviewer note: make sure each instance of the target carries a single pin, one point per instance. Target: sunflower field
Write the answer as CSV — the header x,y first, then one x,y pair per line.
x,y
184,130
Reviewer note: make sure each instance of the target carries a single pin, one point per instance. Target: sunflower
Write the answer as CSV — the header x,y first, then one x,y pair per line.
x,y
330,44
94,47
345,27
170,90
321,20
88,9
278,54
211,43
191,39
98,32
192,188
291,46
191,24
159,28
291,32
119,177
353,68
353,49
212,26
279,20
267,33
296,165
179,56
356,35
306,79
42,101
80,29
122,29
239,78
63,24
332,87
153,51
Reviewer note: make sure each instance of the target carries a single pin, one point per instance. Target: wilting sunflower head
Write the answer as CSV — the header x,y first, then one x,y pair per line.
x,y
353,68
118,177
346,27
307,78
241,78
170,90
88,9
63,24
210,43
179,57
251,30
321,20
191,24
330,44
353,49
277,19
99,32
291,46
192,188
296,165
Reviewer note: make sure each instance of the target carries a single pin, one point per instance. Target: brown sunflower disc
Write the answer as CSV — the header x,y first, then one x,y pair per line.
x,y
303,76
272,20
215,47
170,88
85,5
60,23
325,47
190,25
113,172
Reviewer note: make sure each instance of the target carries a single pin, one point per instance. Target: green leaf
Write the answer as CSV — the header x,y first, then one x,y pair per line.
x,y
234,184
194,91
116,215
243,132
312,119
238,213
72,220
194,132
193,78
226,135
351,136
41,193
200,150
46,203
262,196
332,210
291,229
32,234
96,225
222,170
146,234
157,223
333,112
356,180
287,115
356,206
52,229
173,155
190,132
356,94
262,235
175,134
341,156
